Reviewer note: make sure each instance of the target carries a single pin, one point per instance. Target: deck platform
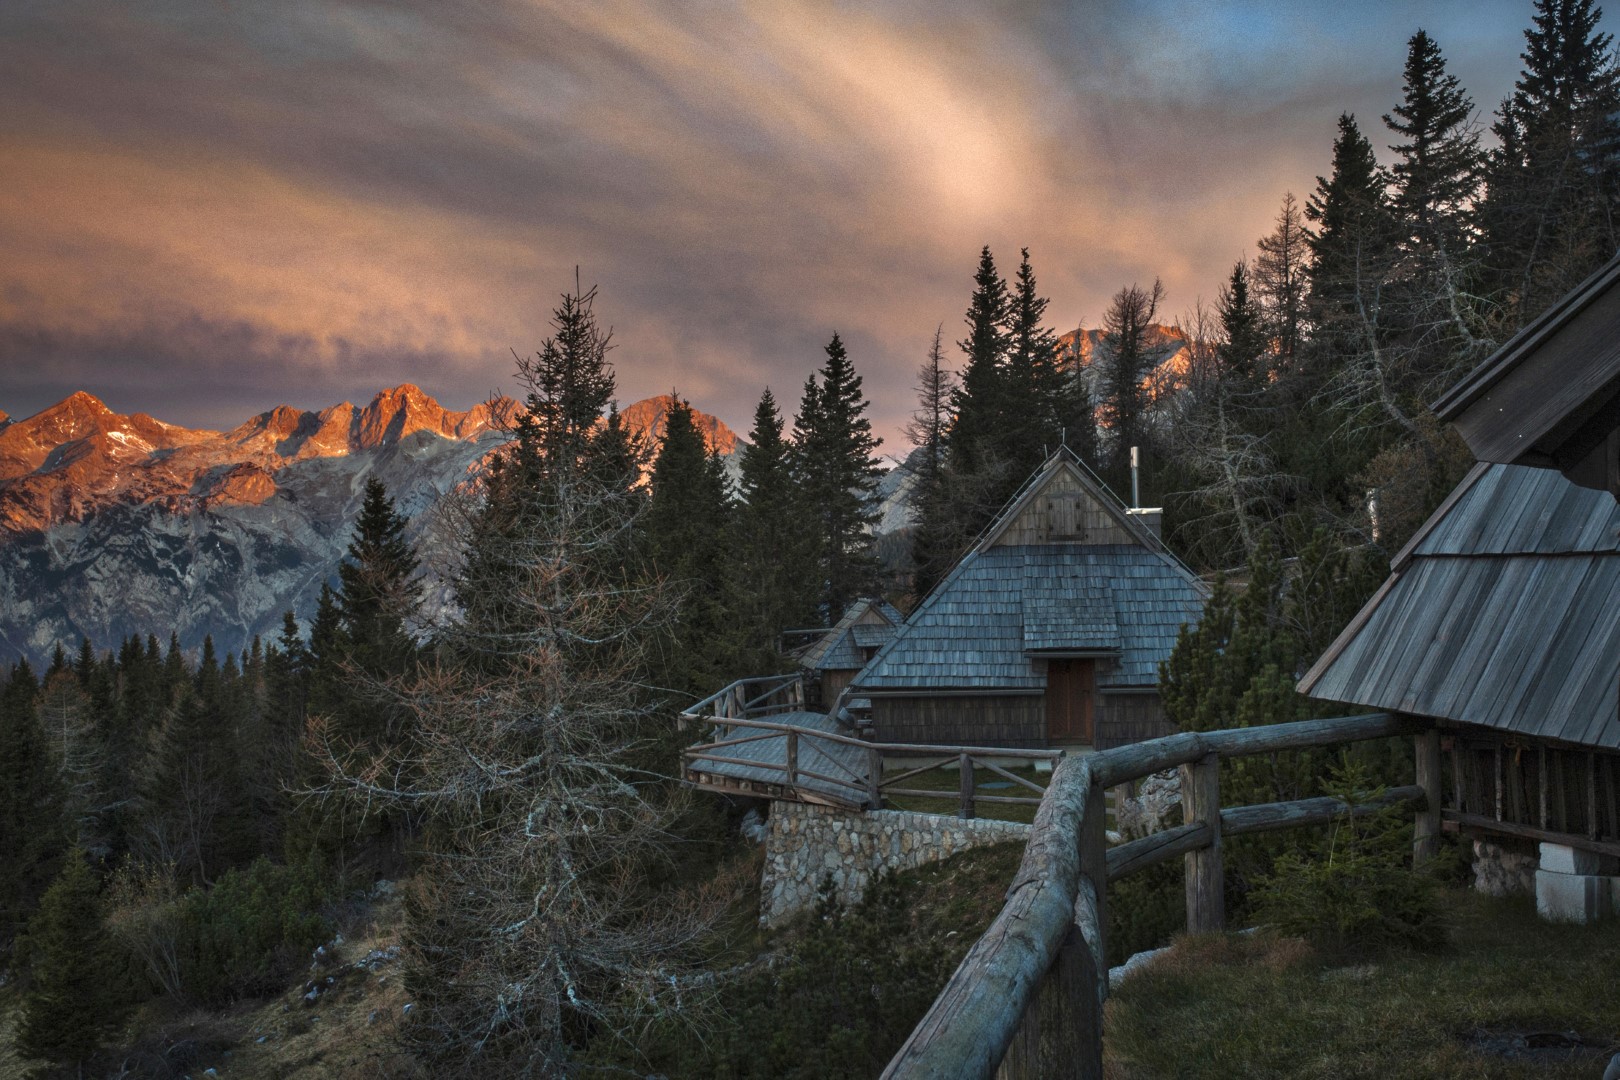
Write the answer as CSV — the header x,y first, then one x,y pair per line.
x,y
827,772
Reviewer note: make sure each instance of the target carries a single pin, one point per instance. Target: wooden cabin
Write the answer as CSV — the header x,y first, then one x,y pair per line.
x,y
834,658
1500,620
1049,632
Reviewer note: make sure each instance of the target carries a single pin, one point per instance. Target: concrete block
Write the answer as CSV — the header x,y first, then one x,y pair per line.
x,y
1578,898
1562,859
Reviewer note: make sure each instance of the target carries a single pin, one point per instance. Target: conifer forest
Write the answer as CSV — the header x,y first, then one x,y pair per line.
x,y
471,754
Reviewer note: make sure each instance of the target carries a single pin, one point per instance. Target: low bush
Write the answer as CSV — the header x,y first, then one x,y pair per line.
x,y
1357,893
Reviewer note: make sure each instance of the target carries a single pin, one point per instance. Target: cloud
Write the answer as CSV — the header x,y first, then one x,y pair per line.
x,y
324,196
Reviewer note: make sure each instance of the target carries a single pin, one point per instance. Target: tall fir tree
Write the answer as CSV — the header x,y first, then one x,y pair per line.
x,y
558,438
838,474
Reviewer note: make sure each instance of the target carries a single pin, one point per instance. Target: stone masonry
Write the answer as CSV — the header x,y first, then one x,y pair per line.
x,y
806,844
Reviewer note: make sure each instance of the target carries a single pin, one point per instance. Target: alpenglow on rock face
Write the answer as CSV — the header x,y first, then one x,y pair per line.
x,y
112,525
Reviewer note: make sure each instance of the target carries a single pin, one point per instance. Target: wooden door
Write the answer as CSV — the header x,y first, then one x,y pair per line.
x,y
1070,686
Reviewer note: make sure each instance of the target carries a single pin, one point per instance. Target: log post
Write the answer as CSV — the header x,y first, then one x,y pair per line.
x,y
1426,834
874,779
965,765
1060,1032
792,758
1205,879
1094,876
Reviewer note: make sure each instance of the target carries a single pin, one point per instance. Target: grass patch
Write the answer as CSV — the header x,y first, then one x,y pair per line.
x,y
948,782
1495,1004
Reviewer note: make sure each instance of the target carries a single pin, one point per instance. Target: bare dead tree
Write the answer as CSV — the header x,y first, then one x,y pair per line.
x,y
531,923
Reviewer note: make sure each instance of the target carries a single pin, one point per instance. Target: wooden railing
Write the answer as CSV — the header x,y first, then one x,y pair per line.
x,y
862,783
761,695
1027,999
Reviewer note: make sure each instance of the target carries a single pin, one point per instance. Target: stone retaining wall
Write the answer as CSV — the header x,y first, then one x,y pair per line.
x,y
805,845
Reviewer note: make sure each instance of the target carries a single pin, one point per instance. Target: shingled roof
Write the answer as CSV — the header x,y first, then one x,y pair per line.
x,y
1063,571
865,623
1503,611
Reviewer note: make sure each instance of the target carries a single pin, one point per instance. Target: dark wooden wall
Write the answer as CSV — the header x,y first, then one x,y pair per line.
x,y
1128,718
1011,720
1014,720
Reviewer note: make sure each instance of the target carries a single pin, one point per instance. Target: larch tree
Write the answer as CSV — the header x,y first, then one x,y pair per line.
x,y
1281,281
937,531
529,926
1127,326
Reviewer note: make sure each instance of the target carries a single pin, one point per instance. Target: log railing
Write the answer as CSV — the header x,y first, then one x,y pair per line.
x,y
857,777
1027,998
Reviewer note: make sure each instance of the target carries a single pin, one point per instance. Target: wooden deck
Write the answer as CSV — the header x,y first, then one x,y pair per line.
x,y
749,761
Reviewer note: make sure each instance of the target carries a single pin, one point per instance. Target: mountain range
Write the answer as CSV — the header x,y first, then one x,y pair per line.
x,y
114,524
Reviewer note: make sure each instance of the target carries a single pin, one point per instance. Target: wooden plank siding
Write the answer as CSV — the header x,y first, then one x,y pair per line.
x,y
1012,720
1503,612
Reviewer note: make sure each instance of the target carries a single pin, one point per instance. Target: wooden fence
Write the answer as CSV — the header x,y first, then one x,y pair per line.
x,y
1027,1000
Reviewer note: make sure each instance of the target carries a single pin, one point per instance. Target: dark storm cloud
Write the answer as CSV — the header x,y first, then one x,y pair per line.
x,y
306,201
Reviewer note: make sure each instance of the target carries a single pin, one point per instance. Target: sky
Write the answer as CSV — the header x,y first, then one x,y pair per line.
x,y
211,207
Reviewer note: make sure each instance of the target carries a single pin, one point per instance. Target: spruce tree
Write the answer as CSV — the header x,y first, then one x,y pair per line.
x,y
838,474
1553,181
1435,179
377,588
558,438
688,530
775,580
1029,427
1352,245
75,996
1242,352
980,398
33,833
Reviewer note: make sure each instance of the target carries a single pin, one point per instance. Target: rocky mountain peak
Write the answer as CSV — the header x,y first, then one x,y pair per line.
x,y
649,417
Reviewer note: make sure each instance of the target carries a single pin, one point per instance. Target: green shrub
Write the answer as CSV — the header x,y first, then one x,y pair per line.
x,y
244,936
1357,892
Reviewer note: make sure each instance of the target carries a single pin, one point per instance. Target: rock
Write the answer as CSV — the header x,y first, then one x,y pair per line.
x,y
753,827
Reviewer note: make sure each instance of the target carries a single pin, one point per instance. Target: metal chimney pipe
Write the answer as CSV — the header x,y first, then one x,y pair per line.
x,y
1136,492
